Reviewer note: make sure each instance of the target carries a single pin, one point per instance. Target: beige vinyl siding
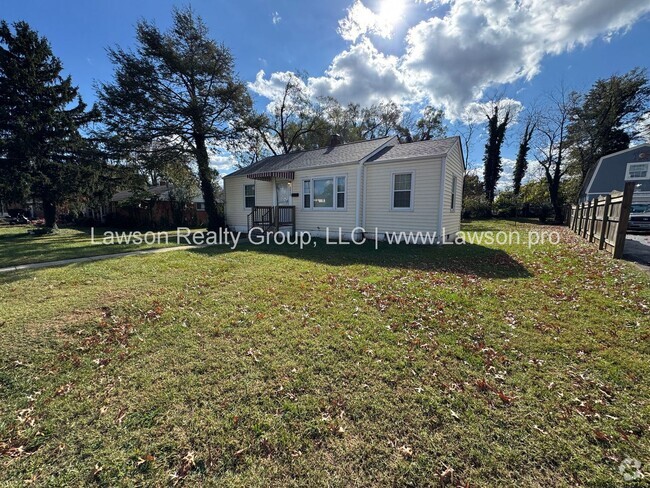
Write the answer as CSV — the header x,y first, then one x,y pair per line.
x,y
317,220
313,220
236,212
453,167
425,185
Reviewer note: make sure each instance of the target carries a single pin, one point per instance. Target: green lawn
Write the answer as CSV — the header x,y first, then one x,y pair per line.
x,y
339,366
18,246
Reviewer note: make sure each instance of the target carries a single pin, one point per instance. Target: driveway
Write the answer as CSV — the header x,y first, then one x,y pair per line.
x,y
637,248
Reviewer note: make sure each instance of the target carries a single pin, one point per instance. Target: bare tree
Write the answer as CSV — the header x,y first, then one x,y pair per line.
x,y
466,134
552,148
292,118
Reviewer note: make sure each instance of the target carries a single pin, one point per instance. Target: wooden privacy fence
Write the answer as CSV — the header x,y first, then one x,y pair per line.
x,y
603,220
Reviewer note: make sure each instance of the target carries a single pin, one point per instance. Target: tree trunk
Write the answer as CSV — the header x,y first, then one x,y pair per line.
x,y
554,193
215,219
49,212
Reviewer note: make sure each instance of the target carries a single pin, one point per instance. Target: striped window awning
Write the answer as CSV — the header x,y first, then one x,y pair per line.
x,y
269,175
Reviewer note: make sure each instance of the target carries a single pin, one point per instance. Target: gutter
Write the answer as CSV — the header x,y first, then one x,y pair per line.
x,y
441,204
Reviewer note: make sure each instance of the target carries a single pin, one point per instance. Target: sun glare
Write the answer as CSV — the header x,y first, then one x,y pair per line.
x,y
391,11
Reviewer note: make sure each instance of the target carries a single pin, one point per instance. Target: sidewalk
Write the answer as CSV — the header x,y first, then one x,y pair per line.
x,y
62,262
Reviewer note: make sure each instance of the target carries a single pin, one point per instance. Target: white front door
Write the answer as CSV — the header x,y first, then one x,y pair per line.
x,y
283,190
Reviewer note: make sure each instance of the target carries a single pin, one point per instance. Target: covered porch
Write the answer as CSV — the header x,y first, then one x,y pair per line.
x,y
282,213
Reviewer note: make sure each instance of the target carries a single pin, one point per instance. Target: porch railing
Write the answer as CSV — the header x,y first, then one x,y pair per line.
x,y
269,218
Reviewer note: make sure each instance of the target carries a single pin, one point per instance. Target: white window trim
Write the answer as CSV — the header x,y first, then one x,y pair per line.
x,y
254,194
335,196
454,184
411,207
302,194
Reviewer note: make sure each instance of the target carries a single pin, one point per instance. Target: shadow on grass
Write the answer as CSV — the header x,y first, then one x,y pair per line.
x,y
465,259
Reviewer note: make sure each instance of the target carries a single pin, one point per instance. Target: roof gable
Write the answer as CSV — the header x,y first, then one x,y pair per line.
x,y
325,156
609,174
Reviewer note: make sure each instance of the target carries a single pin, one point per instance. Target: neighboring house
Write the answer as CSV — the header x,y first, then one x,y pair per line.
x,y
609,175
153,206
377,184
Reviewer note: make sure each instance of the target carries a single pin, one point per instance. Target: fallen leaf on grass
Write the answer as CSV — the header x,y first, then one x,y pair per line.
x,y
447,476
120,416
602,437
149,458
405,451
505,398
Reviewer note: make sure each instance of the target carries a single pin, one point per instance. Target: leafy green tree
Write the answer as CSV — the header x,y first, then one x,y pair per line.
x,y
44,155
607,118
492,166
472,186
429,126
177,88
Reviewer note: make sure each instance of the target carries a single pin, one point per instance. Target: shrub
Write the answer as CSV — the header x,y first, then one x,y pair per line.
x,y
476,208
507,205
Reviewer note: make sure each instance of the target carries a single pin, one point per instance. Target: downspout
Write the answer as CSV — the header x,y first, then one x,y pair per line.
x,y
357,215
441,204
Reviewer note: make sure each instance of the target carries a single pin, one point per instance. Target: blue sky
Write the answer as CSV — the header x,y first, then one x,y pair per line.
x,y
450,53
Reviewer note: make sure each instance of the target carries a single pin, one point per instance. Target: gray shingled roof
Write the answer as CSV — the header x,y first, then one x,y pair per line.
x,y
611,172
349,153
397,151
326,156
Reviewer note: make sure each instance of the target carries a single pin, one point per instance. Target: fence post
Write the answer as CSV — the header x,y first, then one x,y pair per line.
x,y
585,230
592,226
603,229
621,229
579,218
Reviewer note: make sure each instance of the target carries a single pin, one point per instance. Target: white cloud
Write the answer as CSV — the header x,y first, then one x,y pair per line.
x,y
275,18
364,75
477,112
273,87
360,20
464,48
477,45
533,172
360,74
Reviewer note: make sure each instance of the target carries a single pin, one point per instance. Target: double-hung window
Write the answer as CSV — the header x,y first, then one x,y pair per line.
x,y
327,193
402,198
249,196
340,192
306,194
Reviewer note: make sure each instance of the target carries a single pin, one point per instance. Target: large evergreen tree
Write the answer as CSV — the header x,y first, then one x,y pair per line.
x,y
43,154
179,89
607,118
492,159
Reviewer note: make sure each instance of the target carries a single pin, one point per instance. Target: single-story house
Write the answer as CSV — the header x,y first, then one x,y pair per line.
x,y
381,186
609,175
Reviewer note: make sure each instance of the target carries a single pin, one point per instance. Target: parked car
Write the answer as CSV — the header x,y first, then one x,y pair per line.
x,y
19,219
639,217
